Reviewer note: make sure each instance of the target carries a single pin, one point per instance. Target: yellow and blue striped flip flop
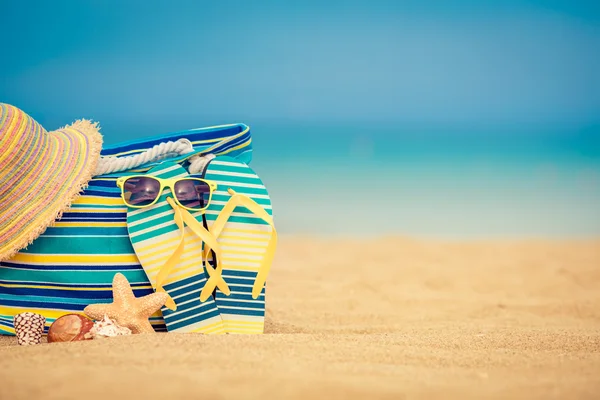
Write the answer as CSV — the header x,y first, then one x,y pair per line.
x,y
170,251
240,218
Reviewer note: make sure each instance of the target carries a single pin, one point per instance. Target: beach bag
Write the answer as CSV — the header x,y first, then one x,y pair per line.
x,y
73,263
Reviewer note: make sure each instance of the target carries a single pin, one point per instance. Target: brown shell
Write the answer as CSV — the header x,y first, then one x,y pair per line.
x,y
70,328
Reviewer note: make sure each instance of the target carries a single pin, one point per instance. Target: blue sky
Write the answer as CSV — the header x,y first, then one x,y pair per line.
x,y
168,66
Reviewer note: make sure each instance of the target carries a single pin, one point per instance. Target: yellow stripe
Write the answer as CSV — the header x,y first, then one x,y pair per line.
x,y
141,249
34,286
53,313
100,210
109,201
241,146
227,231
244,253
76,258
225,235
17,136
246,323
69,224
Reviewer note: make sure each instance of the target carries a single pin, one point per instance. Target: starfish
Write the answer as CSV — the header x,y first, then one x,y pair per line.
x,y
126,309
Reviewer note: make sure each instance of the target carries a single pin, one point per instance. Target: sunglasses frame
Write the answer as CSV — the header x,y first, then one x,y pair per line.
x,y
167,183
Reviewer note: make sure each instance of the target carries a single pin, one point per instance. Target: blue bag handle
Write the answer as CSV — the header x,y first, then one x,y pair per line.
x,y
233,140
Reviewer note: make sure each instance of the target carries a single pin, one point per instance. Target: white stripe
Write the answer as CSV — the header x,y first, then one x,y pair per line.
x,y
235,308
216,202
252,196
232,264
226,240
256,232
141,210
240,174
239,184
208,302
150,218
233,249
87,236
236,214
185,286
257,301
227,163
152,228
225,275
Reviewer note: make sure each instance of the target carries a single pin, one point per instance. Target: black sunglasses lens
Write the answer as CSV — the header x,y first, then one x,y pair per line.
x,y
192,193
141,191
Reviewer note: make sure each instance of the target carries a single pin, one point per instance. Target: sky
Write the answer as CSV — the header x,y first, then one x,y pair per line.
x,y
456,118
124,63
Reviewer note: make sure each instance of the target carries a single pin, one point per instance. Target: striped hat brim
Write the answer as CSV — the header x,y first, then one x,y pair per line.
x,y
46,183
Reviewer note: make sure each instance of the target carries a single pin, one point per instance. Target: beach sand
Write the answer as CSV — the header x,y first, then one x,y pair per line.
x,y
393,318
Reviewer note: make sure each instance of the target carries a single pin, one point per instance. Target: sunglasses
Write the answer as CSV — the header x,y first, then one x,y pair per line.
x,y
141,191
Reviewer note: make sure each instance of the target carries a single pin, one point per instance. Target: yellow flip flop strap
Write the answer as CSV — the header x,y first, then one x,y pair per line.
x,y
209,241
166,269
181,216
217,227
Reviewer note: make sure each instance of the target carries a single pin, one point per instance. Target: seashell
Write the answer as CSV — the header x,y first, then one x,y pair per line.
x,y
70,328
107,328
29,328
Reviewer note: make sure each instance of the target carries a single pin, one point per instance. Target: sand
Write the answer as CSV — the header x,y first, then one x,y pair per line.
x,y
393,318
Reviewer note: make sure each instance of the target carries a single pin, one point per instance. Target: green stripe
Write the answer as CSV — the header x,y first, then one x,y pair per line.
x,y
239,167
169,218
245,190
81,245
218,173
222,197
221,176
75,277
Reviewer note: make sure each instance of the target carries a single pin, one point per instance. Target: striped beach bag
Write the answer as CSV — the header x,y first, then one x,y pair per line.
x,y
72,263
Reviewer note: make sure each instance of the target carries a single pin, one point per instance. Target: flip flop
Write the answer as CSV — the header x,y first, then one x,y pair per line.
x,y
169,247
240,218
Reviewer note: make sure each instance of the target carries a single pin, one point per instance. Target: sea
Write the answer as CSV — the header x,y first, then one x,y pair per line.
x,y
447,182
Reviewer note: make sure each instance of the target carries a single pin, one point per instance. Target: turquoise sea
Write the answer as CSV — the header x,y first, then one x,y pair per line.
x,y
441,182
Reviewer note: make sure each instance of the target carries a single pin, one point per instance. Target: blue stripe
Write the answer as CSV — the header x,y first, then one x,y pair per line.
x,y
99,220
192,279
25,303
251,312
237,281
104,183
172,319
191,321
78,286
226,302
86,294
7,322
78,267
236,296
192,134
234,273
106,193
108,215
70,300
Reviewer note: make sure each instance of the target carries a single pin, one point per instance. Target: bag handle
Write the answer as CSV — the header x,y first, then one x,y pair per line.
x,y
111,164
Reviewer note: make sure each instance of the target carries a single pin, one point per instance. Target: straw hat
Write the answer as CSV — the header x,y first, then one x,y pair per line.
x,y
41,173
